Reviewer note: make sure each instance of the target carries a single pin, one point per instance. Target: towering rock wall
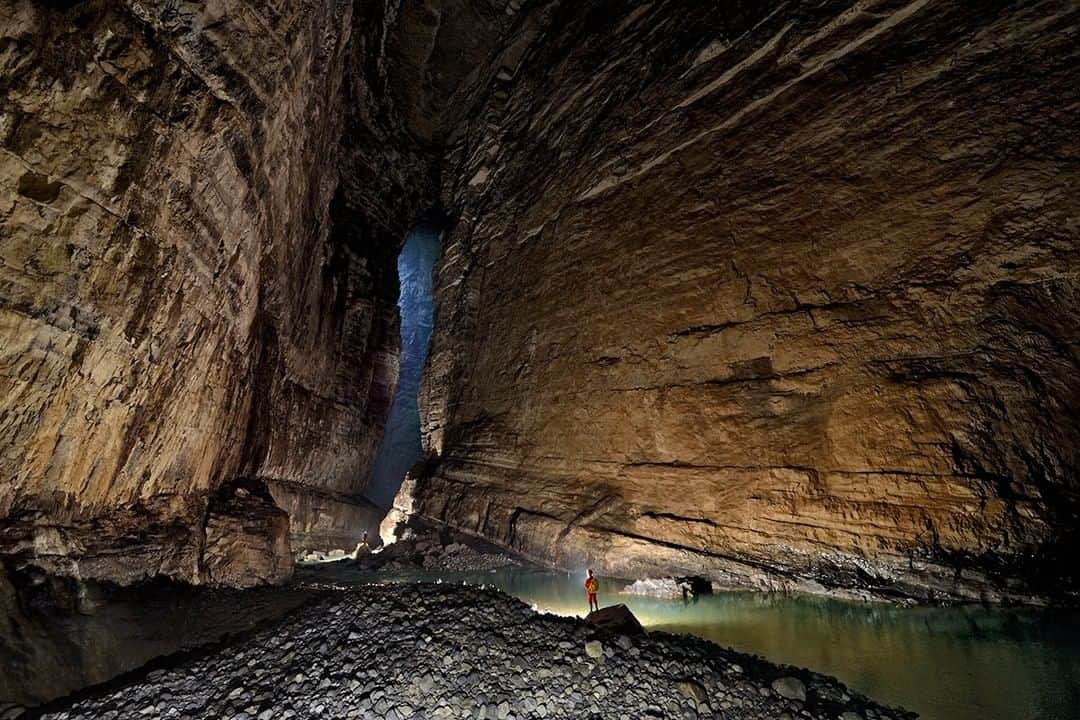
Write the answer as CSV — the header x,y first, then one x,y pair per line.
x,y
194,299
783,295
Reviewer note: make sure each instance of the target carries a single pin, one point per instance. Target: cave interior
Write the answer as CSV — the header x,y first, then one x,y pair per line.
x,y
779,295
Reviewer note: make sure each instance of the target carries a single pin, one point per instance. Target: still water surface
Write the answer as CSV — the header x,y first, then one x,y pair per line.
x,y
945,663
958,663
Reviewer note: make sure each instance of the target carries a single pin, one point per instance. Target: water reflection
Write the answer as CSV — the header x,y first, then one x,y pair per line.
x,y
59,637
945,663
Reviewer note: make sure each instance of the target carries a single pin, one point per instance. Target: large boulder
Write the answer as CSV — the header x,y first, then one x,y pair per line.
x,y
790,688
617,619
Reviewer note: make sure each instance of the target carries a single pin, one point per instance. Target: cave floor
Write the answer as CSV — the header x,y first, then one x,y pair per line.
x,y
365,633
961,662
429,650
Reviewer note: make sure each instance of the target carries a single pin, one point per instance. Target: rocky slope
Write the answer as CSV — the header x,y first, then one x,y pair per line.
x,y
445,651
192,291
784,295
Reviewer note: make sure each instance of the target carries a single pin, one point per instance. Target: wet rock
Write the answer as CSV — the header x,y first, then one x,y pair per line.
x,y
675,587
694,585
654,587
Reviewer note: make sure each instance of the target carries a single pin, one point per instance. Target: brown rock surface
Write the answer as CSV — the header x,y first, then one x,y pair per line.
x,y
326,521
617,619
188,293
781,296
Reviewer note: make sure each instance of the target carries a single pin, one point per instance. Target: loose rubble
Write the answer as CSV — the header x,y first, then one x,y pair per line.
x,y
425,548
451,651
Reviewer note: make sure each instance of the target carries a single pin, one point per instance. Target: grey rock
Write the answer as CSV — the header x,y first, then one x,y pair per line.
x,y
790,688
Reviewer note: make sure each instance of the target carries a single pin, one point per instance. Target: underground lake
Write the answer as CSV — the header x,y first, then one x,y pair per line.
x,y
968,662
334,332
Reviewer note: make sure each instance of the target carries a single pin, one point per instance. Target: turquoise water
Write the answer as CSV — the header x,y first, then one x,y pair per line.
x,y
955,663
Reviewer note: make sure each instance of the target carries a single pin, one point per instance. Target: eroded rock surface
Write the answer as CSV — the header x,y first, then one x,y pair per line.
x,y
325,521
191,289
780,295
420,547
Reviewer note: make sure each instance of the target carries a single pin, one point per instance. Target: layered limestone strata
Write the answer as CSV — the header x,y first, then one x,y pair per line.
x,y
779,294
195,299
785,296
326,521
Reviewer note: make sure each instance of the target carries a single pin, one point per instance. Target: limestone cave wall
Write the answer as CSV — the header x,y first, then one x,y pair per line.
x,y
784,294
779,293
196,301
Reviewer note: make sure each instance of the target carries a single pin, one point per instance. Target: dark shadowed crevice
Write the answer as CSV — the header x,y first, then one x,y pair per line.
x,y
401,447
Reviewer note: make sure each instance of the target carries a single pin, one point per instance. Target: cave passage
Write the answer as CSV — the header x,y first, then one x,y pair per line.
x,y
778,298
401,447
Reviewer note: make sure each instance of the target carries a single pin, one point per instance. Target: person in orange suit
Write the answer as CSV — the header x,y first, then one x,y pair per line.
x,y
592,586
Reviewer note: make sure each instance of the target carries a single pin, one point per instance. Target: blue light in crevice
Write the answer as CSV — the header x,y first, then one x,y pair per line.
x,y
401,441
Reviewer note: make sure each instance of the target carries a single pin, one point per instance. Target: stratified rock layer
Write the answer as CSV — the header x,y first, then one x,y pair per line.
x,y
783,296
324,521
190,290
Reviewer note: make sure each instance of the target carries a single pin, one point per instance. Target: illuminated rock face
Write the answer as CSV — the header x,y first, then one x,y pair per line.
x,y
782,296
401,447
192,291
787,299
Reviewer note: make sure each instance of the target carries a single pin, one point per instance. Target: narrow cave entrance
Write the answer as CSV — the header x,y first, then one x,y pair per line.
x,y
401,446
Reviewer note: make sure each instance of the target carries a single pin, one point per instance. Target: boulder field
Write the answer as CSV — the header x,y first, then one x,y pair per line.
x,y
432,652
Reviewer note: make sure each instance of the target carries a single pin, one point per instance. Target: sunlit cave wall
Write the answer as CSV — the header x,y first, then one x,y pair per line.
x,y
401,441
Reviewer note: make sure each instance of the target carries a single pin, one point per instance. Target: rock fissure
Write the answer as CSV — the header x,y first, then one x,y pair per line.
x,y
737,291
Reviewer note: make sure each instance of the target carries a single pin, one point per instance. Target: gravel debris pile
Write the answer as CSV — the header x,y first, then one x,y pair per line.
x,y
413,651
